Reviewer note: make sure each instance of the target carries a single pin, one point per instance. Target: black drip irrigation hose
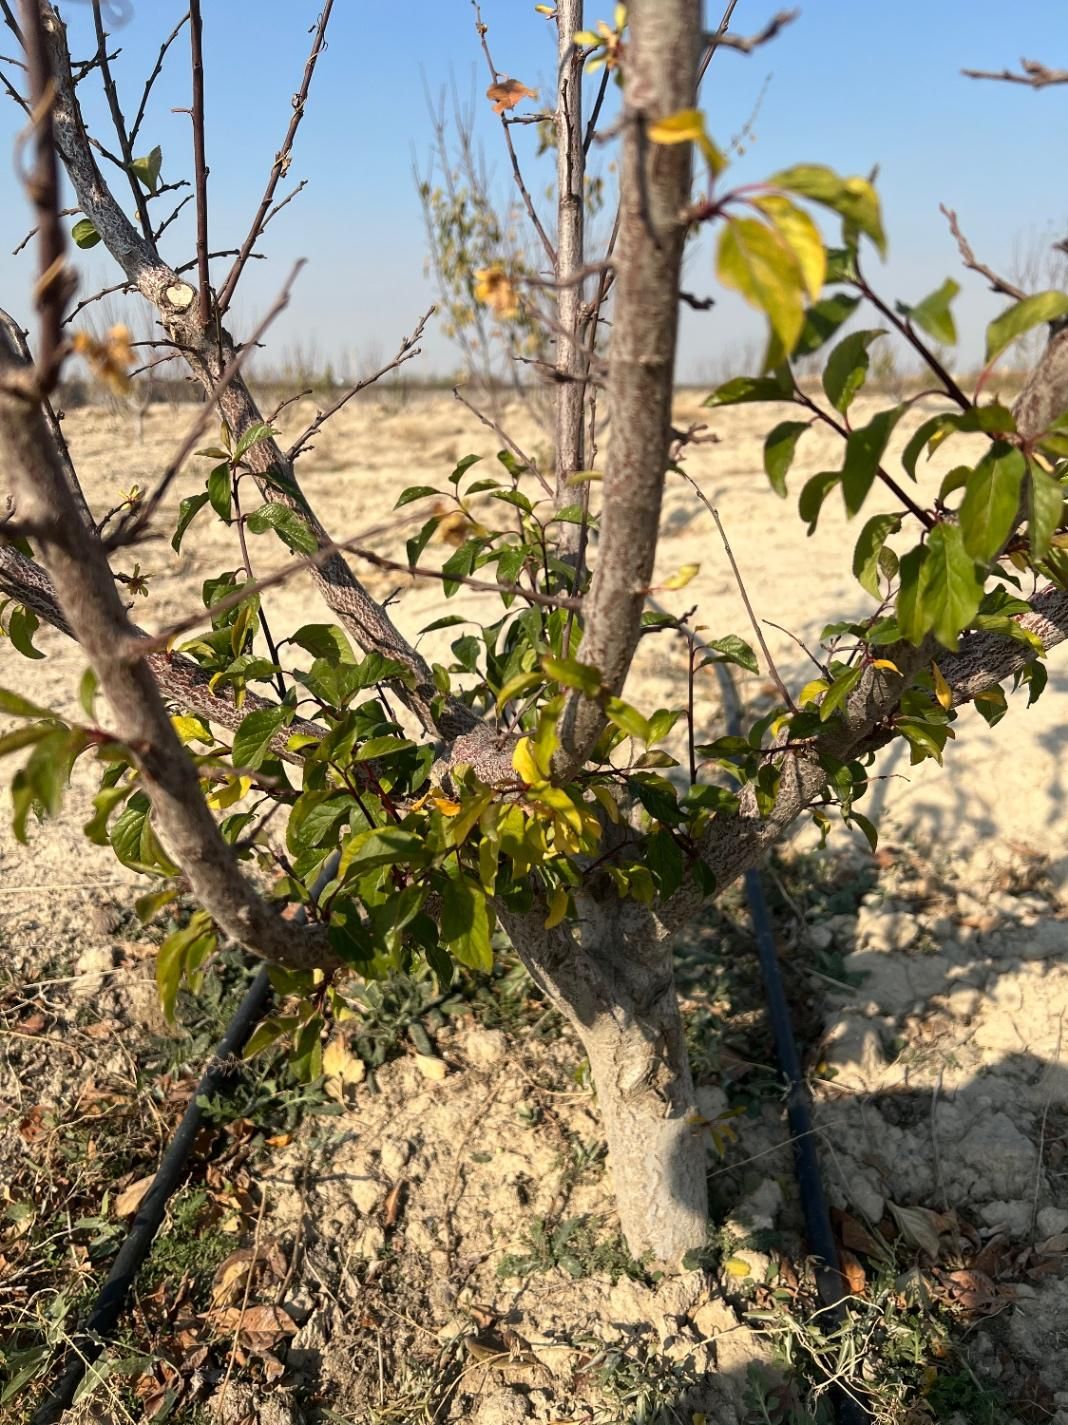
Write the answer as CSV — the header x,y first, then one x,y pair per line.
x,y
830,1283
86,1347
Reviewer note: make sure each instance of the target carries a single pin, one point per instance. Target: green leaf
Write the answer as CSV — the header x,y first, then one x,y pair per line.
x,y
315,818
85,234
628,719
15,705
24,737
665,860
813,494
853,199
991,501
382,846
909,612
950,589
22,624
839,690
187,511
256,433
462,467
779,448
933,316
743,390
1021,317
414,492
147,169
219,491
290,527
754,260
570,673
465,924
459,563
847,367
823,319
324,640
869,547
864,451
1045,508
732,649
856,818
252,740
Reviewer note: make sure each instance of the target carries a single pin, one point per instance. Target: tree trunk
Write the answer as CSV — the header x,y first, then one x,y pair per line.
x,y
656,1154
618,993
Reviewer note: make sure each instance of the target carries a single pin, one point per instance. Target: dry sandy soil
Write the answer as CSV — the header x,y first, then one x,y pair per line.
x,y
931,982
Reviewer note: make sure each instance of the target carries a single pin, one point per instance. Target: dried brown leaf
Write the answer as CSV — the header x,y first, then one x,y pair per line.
x,y
507,93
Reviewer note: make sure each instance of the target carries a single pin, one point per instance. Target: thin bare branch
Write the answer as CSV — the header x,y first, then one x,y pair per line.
x,y
141,516
159,641
746,44
517,173
200,160
968,257
280,166
119,123
754,622
150,81
503,435
1032,73
571,366
409,347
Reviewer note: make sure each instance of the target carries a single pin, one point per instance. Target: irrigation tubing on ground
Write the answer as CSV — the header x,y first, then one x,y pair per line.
x,y
830,1283
91,1340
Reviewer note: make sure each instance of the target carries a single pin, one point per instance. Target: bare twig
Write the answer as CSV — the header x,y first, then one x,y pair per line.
x,y
200,161
967,256
746,44
119,123
63,213
1033,73
97,297
157,642
170,219
571,367
280,166
131,528
150,81
408,348
753,620
519,454
517,173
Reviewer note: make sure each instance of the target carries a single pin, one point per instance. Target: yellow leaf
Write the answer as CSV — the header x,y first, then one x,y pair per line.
x,y
688,126
557,907
524,763
496,289
342,1069
801,236
682,578
886,663
754,259
810,693
191,729
445,805
737,1267
604,796
232,790
431,1068
943,692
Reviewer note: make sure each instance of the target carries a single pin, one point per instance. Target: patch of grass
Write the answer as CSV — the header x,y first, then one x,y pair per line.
x,y
576,1247
190,1246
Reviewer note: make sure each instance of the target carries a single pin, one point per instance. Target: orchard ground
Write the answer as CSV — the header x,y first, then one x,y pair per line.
x,y
429,1236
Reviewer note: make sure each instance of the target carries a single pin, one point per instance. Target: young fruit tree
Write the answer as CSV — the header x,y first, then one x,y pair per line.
x,y
515,793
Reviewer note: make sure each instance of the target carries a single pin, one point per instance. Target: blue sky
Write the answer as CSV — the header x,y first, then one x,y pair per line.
x,y
852,84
